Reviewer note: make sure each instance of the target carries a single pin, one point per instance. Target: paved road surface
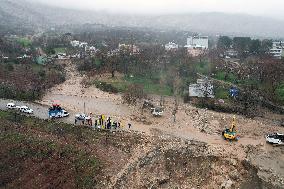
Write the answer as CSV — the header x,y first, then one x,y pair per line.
x,y
40,111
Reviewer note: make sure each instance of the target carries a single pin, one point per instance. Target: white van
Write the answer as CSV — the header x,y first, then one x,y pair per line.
x,y
12,106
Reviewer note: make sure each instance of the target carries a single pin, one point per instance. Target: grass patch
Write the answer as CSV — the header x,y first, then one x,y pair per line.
x,y
4,115
106,87
60,50
150,86
25,42
221,93
229,77
203,67
280,93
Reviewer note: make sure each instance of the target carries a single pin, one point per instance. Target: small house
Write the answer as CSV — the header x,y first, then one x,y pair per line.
x,y
202,88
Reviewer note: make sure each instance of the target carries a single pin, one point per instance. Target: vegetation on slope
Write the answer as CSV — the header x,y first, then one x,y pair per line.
x,y
49,154
28,81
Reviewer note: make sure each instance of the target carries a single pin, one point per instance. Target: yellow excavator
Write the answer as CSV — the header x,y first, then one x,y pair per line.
x,y
231,134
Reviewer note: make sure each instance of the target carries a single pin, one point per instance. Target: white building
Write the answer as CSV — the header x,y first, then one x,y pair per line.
x,y
62,56
133,49
202,88
277,49
198,41
83,44
278,44
90,49
80,44
75,43
277,53
171,46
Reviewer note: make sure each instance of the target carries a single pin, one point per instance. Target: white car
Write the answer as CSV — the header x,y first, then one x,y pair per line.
x,y
82,117
26,109
65,113
275,138
12,106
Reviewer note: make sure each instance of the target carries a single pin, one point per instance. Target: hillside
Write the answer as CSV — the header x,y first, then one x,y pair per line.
x,y
26,14
56,155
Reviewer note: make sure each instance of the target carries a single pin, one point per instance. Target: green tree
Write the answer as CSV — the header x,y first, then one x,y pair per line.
x,y
241,44
266,44
255,46
224,42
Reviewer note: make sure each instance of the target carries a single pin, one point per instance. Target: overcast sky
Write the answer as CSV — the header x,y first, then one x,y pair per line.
x,y
269,8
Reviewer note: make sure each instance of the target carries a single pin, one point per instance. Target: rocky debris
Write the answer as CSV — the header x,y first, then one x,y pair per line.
x,y
233,162
234,175
227,184
141,119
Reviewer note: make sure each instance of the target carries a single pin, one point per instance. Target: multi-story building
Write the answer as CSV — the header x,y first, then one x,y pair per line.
x,y
198,41
197,45
277,49
75,43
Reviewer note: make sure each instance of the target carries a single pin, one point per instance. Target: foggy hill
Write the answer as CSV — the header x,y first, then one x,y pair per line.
x,y
23,14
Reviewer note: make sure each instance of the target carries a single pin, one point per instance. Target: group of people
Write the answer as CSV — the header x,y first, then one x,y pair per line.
x,y
105,123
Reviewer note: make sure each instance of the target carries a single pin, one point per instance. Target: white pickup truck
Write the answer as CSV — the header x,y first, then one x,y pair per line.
x,y
12,106
26,109
23,109
82,117
157,111
276,138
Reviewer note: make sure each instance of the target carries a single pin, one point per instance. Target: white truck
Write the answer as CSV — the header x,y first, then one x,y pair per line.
x,y
12,106
26,109
82,117
157,111
276,138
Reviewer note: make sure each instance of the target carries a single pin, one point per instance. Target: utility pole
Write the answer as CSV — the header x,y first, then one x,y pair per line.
x,y
84,107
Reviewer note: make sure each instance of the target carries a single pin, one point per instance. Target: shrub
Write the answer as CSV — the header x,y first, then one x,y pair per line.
x,y
106,87
280,92
221,93
133,93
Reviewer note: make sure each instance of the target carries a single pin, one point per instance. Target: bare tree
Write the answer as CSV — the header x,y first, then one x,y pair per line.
x,y
133,93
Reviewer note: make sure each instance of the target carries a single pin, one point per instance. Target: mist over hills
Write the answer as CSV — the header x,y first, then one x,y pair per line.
x,y
23,14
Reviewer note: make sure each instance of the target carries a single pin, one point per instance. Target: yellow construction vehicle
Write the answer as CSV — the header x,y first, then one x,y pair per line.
x,y
231,134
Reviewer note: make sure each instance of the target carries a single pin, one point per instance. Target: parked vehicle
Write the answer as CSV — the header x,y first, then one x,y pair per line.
x,y
275,138
57,112
82,117
26,109
157,111
12,106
